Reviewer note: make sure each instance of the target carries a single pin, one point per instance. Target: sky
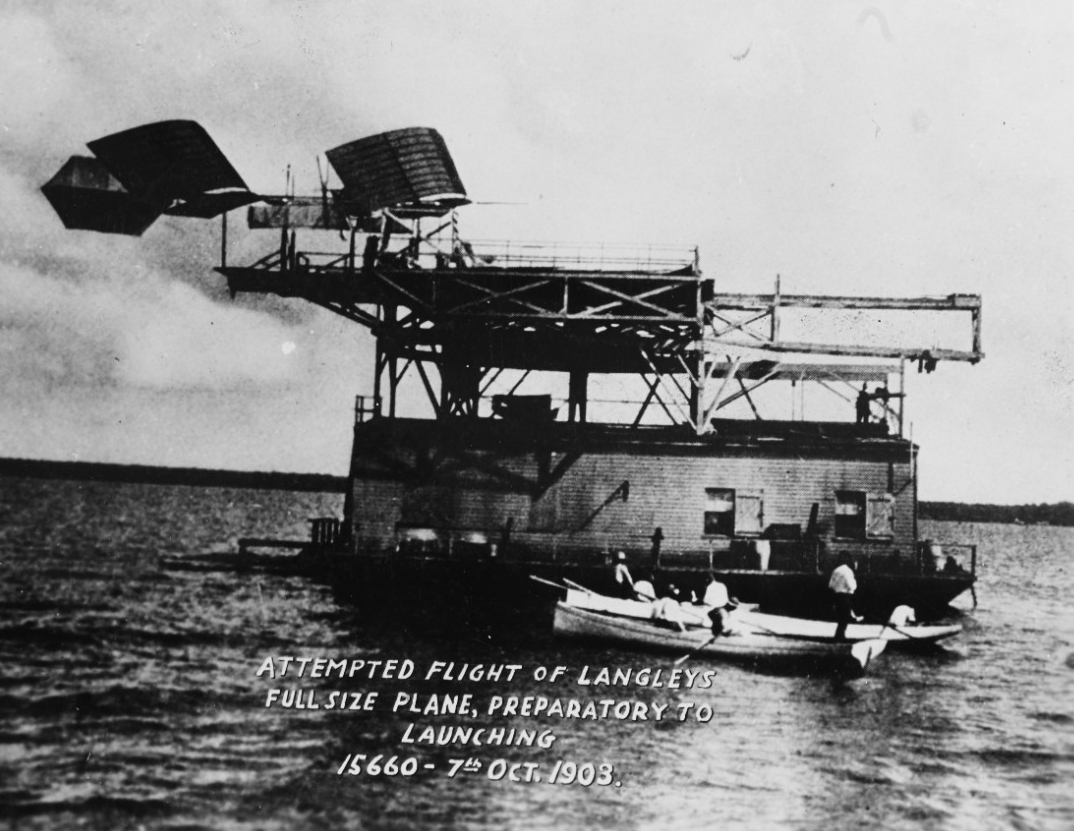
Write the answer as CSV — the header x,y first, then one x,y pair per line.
x,y
902,149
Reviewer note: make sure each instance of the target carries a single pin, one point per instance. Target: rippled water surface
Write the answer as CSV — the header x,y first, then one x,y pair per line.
x,y
129,695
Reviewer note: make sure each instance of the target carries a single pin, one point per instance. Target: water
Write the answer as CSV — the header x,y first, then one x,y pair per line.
x,y
129,695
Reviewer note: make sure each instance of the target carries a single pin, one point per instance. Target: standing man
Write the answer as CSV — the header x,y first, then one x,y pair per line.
x,y
842,586
861,405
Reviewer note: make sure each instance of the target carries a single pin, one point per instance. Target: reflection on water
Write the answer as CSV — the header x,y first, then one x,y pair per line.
x,y
130,698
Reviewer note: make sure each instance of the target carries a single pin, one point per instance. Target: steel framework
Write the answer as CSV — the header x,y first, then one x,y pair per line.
x,y
471,310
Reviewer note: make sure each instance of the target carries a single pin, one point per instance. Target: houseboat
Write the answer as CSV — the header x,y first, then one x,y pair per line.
x,y
520,464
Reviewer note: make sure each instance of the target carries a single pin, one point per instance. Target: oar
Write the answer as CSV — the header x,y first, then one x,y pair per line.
x,y
693,652
546,582
578,586
906,635
765,629
903,619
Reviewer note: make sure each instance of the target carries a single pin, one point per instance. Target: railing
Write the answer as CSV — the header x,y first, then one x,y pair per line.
x,y
445,253
325,531
583,256
946,558
533,548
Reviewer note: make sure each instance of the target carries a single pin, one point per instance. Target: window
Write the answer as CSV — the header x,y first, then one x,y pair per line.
x,y
880,517
850,515
749,514
729,513
719,512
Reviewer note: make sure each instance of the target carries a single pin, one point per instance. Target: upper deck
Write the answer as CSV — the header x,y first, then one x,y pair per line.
x,y
460,313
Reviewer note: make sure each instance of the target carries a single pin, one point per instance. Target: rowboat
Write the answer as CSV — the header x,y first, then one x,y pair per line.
x,y
900,635
751,648
904,636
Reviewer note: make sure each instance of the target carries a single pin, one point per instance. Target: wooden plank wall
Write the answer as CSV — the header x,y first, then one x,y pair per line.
x,y
585,508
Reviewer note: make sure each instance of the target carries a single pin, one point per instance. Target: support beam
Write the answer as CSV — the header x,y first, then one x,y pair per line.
x,y
775,313
714,405
764,302
895,352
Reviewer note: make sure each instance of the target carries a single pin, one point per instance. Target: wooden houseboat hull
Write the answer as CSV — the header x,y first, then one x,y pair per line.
x,y
478,505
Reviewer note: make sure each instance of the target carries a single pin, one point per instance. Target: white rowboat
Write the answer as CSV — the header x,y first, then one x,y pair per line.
x,y
750,648
761,623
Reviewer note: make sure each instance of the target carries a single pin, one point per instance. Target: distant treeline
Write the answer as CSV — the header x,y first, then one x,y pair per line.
x,y
1061,513
146,474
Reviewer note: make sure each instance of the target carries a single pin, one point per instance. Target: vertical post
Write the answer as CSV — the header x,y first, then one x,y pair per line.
x,y
378,370
913,484
391,361
393,383
699,365
285,227
696,367
775,313
223,239
902,392
977,329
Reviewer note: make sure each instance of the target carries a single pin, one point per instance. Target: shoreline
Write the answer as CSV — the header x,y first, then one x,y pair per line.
x,y
152,475
1060,514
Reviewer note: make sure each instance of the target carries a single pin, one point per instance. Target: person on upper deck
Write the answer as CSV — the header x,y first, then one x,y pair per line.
x,y
861,405
370,254
842,585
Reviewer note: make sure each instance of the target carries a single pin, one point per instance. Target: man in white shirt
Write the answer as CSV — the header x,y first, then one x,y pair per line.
x,y
624,583
842,585
716,596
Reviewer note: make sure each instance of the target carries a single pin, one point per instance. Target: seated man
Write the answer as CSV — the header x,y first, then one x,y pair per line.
x,y
667,613
723,619
715,594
